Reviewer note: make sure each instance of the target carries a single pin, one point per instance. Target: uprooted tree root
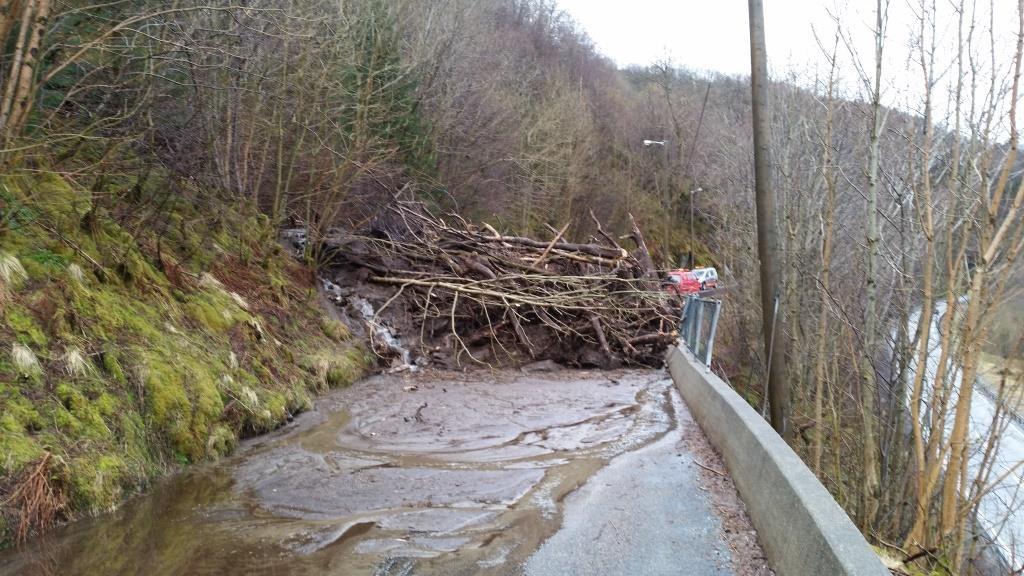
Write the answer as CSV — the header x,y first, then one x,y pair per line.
x,y
36,501
472,292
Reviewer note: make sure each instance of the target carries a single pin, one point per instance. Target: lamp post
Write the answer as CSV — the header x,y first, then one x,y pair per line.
x,y
668,209
667,200
690,243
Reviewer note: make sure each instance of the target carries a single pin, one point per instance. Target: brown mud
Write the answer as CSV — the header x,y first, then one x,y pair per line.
x,y
432,473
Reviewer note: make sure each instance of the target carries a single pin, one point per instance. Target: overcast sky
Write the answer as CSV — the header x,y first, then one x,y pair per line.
x,y
713,35
700,34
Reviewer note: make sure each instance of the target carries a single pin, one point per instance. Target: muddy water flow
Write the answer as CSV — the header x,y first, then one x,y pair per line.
x,y
435,473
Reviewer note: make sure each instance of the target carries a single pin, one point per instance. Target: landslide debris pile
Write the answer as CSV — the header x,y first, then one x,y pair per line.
x,y
456,293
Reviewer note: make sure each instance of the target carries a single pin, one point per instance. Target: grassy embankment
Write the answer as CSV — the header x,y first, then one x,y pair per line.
x,y
997,371
141,332
1002,359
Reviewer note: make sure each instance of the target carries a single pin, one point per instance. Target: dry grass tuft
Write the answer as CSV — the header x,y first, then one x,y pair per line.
x,y
11,270
76,273
12,273
38,501
24,359
75,363
207,280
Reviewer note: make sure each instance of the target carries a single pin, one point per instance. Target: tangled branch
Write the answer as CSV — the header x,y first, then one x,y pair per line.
x,y
470,288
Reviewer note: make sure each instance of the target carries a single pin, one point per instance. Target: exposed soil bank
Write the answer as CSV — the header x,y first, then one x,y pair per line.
x,y
436,473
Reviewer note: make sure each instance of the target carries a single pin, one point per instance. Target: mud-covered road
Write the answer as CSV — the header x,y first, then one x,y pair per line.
x,y
439,473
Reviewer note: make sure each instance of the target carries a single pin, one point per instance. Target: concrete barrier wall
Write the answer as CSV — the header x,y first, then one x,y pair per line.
x,y
803,530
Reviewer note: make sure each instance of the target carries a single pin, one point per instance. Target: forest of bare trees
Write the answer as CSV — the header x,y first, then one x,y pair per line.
x,y
900,208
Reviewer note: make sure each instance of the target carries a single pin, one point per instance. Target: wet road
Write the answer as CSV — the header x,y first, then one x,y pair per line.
x,y
642,514
569,472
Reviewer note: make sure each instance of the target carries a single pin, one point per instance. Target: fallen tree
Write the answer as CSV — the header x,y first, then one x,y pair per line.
x,y
455,292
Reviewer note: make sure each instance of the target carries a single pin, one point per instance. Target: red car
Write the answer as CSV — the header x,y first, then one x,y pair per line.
x,y
682,282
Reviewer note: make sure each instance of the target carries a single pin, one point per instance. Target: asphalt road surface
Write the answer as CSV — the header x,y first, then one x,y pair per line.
x,y
645,513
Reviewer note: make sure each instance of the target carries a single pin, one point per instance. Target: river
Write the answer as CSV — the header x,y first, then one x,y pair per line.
x,y
1000,512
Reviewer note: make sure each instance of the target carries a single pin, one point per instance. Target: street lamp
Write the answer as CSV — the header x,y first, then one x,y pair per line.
x,y
667,200
692,192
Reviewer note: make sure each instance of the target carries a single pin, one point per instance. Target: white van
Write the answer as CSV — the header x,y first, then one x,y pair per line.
x,y
708,277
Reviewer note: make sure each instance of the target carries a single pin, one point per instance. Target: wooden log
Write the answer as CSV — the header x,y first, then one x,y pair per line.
x,y
591,249
655,338
596,323
644,255
478,266
558,236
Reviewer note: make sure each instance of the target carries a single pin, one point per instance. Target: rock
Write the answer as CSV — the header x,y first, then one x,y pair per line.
x,y
541,366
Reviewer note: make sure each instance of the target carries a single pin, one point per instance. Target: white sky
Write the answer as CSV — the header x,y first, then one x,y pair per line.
x,y
699,34
713,35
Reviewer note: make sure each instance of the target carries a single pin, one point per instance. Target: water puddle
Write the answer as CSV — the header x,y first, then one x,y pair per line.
x,y
433,473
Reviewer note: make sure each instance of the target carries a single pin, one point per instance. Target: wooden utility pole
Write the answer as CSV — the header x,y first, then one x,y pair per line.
x,y
767,228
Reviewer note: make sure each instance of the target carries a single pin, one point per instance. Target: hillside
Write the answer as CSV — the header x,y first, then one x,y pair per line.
x,y
144,332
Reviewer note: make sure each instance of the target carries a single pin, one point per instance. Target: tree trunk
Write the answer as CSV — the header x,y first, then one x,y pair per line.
x,y
868,388
826,268
10,90
25,91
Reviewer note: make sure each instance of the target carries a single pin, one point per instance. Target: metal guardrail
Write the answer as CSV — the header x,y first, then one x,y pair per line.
x,y
698,325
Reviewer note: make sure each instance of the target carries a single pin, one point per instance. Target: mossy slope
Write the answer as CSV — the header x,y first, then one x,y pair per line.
x,y
141,331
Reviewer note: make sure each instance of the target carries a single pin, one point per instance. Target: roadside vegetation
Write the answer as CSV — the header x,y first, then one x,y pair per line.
x,y
145,328
1002,359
